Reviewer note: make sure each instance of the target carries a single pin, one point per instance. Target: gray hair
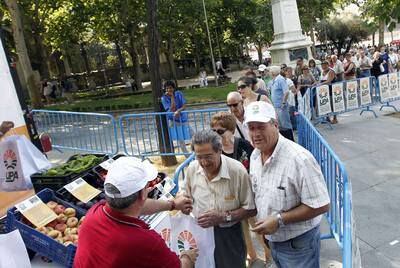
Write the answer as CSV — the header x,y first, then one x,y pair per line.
x,y
207,136
119,203
234,95
275,70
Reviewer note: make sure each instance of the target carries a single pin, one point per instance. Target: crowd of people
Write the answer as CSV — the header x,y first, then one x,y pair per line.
x,y
249,177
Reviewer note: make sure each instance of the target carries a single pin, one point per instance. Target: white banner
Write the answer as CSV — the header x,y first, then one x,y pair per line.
x,y
324,100
365,91
384,87
393,85
338,99
351,95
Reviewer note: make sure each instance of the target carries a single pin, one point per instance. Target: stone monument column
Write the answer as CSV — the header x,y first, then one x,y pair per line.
x,y
289,41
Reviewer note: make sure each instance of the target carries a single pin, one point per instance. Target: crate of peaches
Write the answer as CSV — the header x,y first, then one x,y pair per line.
x,y
56,240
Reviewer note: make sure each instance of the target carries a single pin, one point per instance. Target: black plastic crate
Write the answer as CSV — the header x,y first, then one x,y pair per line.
x,y
101,172
93,181
41,243
41,181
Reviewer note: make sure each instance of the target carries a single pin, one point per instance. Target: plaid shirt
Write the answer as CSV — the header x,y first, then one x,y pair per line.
x,y
290,177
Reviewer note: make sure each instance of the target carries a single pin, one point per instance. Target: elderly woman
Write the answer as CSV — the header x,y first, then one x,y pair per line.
x,y
349,68
246,86
224,124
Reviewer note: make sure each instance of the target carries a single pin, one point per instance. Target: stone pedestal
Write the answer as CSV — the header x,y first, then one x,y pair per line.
x,y
289,41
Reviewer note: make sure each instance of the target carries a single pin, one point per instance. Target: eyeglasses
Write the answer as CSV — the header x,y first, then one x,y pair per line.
x,y
241,87
232,105
219,131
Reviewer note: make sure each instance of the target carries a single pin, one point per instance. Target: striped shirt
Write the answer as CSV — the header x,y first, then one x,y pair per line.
x,y
290,177
229,190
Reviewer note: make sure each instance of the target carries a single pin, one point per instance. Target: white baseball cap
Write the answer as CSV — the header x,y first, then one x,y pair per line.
x,y
259,111
262,67
129,175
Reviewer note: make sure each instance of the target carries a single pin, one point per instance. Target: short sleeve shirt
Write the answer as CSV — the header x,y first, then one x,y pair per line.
x,y
290,177
229,190
108,238
179,102
278,89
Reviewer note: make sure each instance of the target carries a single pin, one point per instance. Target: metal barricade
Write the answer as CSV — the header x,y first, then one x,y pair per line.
x,y
388,89
88,132
140,135
339,215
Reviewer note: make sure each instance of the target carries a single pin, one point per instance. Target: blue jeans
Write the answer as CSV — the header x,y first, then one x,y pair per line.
x,y
365,73
301,251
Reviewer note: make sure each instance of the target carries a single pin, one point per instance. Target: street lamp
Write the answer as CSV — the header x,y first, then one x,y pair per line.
x,y
209,41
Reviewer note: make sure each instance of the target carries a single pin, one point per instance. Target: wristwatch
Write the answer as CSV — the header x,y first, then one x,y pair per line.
x,y
280,220
228,216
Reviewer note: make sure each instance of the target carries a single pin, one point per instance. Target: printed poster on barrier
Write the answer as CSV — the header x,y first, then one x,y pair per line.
x,y
352,96
323,99
393,85
338,99
365,91
186,234
384,87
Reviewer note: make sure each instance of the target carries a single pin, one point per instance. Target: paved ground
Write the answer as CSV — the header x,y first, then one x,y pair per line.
x,y
370,149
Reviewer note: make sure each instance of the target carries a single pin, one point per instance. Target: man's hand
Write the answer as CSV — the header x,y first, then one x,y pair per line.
x,y
267,226
183,203
191,254
210,218
6,126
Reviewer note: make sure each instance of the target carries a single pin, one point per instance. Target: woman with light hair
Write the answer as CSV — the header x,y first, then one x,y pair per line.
x,y
376,64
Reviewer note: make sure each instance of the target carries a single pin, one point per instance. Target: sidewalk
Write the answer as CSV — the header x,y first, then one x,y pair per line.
x,y
370,149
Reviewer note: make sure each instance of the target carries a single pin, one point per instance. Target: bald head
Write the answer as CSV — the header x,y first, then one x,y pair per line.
x,y
235,103
234,96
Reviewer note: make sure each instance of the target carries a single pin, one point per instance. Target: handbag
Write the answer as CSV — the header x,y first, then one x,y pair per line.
x,y
381,68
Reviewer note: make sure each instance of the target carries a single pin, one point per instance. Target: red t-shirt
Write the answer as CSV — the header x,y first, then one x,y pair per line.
x,y
108,238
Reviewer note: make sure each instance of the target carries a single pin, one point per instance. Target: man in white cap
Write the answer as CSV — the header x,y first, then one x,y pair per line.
x,y
289,188
112,234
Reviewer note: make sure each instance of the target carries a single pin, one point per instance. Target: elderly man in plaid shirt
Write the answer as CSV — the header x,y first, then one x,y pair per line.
x,y
290,191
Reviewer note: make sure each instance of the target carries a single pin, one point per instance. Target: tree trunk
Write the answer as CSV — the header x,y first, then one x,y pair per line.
x,y
381,33
259,51
373,38
41,50
137,72
197,54
170,57
67,65
313,51
85,58
32,80
161,121
120,58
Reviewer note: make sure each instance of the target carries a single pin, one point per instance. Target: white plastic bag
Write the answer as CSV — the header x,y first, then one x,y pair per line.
x,y
186,234
13,251
19,159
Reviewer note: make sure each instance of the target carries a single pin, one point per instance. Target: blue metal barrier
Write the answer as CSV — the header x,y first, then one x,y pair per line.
x,y
180,172
140,135
88,132
339,215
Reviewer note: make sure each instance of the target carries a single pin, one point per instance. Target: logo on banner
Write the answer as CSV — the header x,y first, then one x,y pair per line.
x,y
364,87
10,163
337,94
323,96
186,241
352,93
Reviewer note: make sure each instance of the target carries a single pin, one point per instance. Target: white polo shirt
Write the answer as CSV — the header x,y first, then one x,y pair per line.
x,y
291,176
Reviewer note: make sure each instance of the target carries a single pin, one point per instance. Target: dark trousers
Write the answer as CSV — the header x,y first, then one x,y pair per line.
x,y
230,248
287,133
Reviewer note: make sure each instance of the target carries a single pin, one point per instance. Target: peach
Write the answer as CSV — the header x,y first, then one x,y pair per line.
x,y
59,209
61,227
70,231
52,224
61,218
54,234
72,222
70,212
43,230
67,243
68,238
52,204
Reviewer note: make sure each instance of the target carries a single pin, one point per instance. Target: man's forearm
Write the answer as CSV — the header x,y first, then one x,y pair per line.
x,y
152,206
302,213
241,213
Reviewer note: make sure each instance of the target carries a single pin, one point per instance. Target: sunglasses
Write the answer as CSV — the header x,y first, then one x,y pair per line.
x,y
241,87
219,131
233,105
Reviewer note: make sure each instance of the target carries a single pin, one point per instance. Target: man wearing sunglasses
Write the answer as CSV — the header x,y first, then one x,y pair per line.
x,y
235,103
